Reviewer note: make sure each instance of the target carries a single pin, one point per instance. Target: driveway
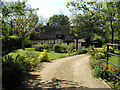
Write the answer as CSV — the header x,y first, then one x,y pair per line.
x,y
68,73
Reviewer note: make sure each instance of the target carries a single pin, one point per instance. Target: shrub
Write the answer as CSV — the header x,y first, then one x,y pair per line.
x,y
46,46
82,51
99,55
79,51
57,48
39,47
90,50
97,72
70,48
64,47
32,58
110,49
95,63
13,71
85,50
44,56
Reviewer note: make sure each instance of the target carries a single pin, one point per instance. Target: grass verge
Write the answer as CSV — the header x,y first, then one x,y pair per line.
x,y
52,55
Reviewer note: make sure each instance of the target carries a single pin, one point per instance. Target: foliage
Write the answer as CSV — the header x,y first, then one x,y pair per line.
x,y
82,51
51,54
60,48
95,63
64,47
10,43
14,71
46,46
17,19
103,70
59,20
39,47
57,48
44,56
16,67
32,58
101,18
70,48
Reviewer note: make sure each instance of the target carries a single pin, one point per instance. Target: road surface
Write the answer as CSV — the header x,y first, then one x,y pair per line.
x,y
68,73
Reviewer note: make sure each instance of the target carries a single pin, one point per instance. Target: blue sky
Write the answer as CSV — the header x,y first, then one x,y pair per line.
x,y
48,8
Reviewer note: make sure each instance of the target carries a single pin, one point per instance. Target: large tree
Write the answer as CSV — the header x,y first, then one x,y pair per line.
x,y
18,19
59,20
25,25
106,16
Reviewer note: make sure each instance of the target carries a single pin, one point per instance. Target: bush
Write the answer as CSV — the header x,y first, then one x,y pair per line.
x,y
44,56
32,58
110,49
46,46
95,63
82,51
85,50
70,48
57,48
13,71
39,47
64,47
79,51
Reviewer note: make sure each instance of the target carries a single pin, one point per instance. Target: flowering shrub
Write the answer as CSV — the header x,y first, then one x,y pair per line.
x,y
103,70
110,69
44,56
110,49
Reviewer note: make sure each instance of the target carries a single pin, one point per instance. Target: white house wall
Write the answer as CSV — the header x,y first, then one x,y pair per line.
x,y
51,42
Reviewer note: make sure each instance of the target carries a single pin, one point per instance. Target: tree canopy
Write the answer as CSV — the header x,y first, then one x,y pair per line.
x,y
102,19
18,19
59,20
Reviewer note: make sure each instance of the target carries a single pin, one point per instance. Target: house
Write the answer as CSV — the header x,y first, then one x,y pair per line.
x,y
55,34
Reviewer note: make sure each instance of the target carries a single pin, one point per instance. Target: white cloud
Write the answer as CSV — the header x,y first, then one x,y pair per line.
x,y
48,8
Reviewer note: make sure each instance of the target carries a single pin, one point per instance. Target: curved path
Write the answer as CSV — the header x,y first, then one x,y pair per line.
x,y
70,72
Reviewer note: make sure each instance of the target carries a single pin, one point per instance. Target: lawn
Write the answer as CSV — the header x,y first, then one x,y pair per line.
x,y
52,55
114,60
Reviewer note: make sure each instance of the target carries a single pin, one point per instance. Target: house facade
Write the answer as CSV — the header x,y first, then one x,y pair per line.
x,y
55,34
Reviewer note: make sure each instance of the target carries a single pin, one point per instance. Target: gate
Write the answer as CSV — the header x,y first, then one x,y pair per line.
x,y
114,54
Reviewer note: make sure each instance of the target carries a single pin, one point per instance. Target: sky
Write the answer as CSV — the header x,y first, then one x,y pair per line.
x,y
48,8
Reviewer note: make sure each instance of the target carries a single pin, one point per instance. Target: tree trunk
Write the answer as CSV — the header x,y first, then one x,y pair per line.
x,y
23,47
112,28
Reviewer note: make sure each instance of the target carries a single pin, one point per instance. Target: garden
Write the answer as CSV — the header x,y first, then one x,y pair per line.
x,y
18,63
110,73
93,21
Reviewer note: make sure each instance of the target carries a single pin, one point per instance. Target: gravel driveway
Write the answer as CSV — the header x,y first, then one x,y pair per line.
x,y
70,73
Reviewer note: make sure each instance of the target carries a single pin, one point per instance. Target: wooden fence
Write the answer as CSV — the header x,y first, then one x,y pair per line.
x,y
114,54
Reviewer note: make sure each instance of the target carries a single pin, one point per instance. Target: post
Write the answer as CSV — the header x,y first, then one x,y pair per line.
x,y
119,58
107,54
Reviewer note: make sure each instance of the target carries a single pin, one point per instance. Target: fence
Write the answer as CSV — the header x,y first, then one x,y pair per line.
x,y
114,54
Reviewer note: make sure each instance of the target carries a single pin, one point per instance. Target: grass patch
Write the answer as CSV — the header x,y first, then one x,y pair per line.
x,y
114,59
52,55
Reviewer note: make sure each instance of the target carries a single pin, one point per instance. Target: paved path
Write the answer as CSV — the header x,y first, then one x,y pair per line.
x,y
68,73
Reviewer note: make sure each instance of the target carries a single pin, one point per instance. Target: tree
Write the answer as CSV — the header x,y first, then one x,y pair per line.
x,y
25,25
104,14
18,19
59,20
83,27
